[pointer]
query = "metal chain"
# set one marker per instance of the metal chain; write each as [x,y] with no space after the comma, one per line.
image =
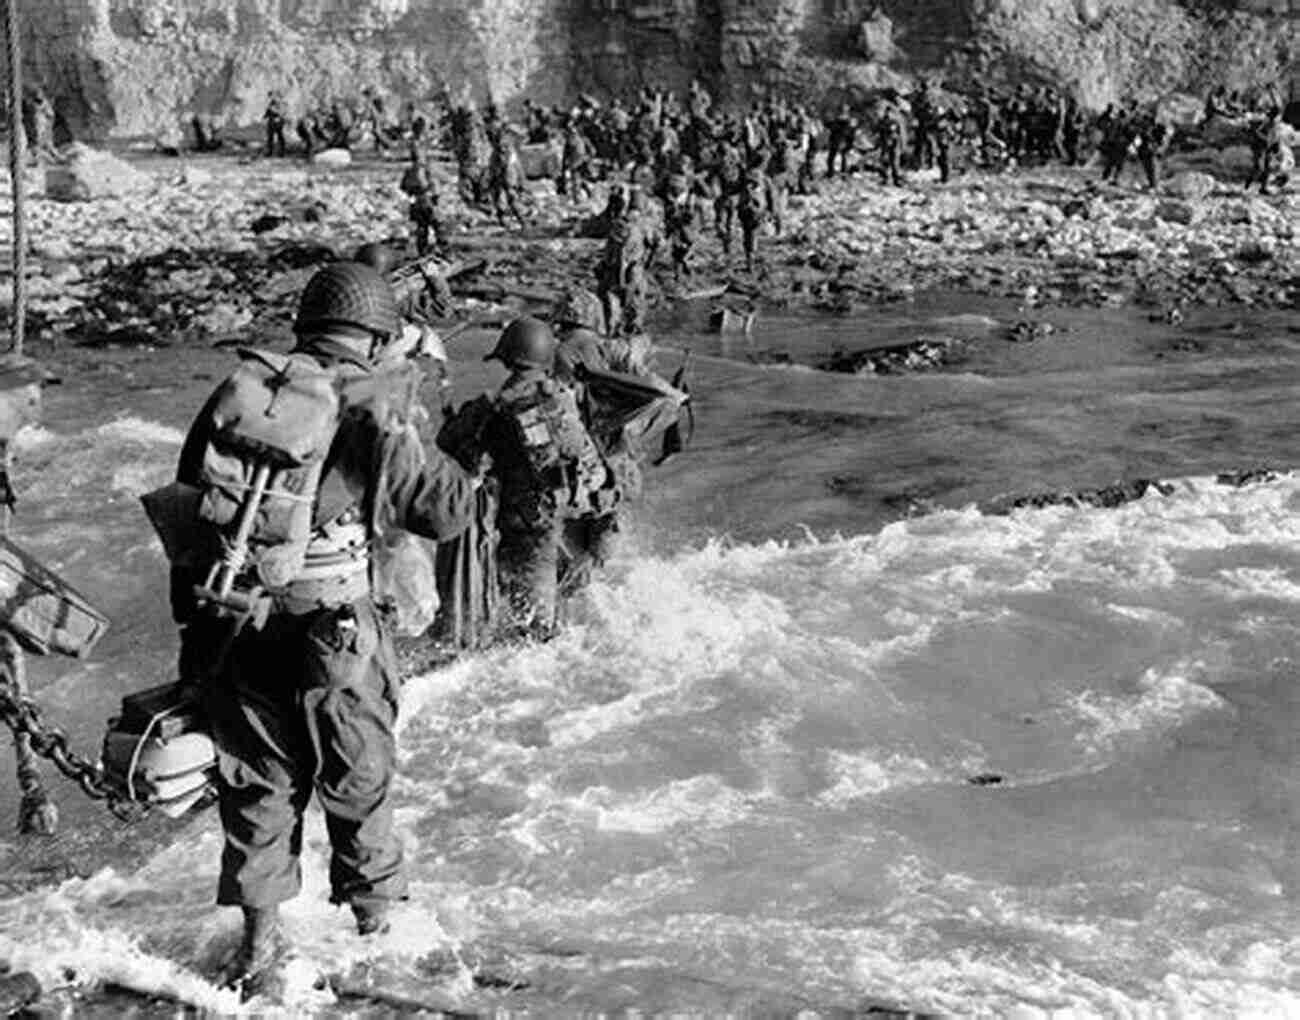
[24,717]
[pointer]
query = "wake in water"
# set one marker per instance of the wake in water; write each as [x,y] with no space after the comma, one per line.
[744,777]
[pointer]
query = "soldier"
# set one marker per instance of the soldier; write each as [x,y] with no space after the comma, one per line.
[728,172]
[586,540]
[985,113]
[575,164]
[889,141]
[926,113]
[472,154]
[618,122]
[308,129]
[699,101]
[338,126]
[207,136]
[753,208]
[681,224]
[579,323]
[942,127]
[809,144]
[1017,119]
[1153,138]
[275,121]
[621,281]
[376,117]
[1117,138]
[505,177]
[417,183]
[1266,144]
[421,292]
[544,463]
[38,121]
[1074,131]
[292,659]
[840,131]
[780,166]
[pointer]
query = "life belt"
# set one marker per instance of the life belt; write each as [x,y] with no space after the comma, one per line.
[158,751]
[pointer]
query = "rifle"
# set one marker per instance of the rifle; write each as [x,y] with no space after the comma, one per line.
[414,278]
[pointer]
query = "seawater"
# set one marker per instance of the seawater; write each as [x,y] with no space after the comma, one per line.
[792,751]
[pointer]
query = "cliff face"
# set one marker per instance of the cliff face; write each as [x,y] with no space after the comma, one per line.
[137,66]
[1102,49]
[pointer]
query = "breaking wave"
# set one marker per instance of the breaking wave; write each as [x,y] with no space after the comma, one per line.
[968,763]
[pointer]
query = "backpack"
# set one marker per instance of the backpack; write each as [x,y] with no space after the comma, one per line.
[272,423]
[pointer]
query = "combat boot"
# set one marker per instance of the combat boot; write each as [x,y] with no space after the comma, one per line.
[254,964]
[371,916]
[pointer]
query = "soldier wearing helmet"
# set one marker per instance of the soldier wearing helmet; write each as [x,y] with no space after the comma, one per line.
[579,321]
[302,695]
[621,274]
[423,294]
[544,462]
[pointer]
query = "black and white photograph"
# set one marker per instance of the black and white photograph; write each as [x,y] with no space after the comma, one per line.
[752,509]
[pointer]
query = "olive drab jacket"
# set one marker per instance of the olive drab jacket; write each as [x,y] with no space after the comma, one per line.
[374,474]
[543,458]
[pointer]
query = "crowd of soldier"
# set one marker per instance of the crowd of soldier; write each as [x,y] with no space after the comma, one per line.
[736,169]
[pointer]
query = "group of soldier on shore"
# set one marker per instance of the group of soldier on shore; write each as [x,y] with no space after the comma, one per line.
[676,164]
[734,169]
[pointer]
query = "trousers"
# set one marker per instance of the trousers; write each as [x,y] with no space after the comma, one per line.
[307,704]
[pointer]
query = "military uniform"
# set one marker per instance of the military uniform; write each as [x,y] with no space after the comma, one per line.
[275,121]
[753,211]
[575,164]
[889,144]
[1117,137]
[622,277]
[681,225]
[926,112]
[840,138]
[941,132]
[472,153]
[779,169]
[338,126]
[1266,145]
[308,131]
[307,701]
[38,122]
[1152,142]
[505,179]
[544,463]
[728,175]
[423,212]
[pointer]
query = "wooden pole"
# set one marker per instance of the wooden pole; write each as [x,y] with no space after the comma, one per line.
[17,164]
[37,814]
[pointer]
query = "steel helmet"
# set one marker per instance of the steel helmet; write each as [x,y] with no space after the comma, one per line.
[579,307]
[348,294]
[525,343]
[378,257]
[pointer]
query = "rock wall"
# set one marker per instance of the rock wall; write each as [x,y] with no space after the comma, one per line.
[128,67]
[1102,49]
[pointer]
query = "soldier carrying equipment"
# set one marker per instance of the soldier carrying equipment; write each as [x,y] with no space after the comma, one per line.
[301,467]
[544,463]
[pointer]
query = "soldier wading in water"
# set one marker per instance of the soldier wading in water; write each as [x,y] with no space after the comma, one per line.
[295,473]
[545,463]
